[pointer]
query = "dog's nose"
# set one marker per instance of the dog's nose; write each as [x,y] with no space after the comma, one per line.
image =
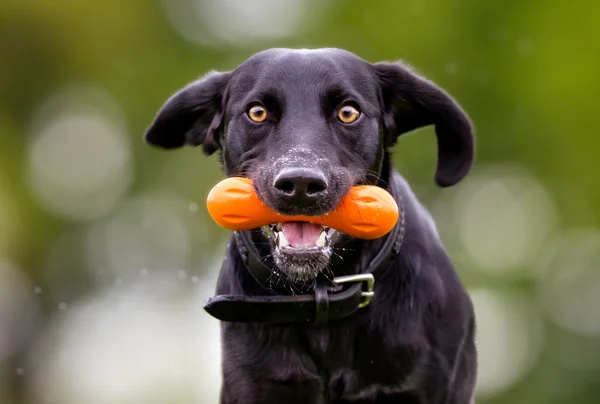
[300,184]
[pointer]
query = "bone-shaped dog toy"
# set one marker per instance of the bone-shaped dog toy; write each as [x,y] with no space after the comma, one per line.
[366,211]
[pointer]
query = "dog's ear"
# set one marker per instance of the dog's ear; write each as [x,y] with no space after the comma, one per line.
[192,116]
[411,102]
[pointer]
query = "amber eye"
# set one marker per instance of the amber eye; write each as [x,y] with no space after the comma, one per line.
[348,114]
[257,113]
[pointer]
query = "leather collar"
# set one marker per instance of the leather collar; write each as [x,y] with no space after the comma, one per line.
[324,302]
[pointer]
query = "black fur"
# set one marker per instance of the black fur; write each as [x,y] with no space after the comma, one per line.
[415,342]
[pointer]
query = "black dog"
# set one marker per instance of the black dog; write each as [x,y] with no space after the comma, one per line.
[306,125]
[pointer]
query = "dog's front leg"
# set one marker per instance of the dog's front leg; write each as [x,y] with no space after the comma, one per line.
[265,364]
[246,389]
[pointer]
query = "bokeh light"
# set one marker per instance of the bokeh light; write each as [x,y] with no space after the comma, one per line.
[570,282]
[239,23]
[79,159]
[503,218]
[150,231]
[109,347]
[509,338]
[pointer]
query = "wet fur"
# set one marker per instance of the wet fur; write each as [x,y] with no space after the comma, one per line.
[415,342]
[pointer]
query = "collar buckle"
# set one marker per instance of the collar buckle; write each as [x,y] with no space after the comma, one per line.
[369,281]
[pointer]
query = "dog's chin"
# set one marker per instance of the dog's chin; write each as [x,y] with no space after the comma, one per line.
[301,250]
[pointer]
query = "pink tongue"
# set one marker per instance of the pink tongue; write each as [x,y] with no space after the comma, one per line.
[301,234]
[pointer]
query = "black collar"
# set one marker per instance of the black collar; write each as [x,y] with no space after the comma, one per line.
[328,301]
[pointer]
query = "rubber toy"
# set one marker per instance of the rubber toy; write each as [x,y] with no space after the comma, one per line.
[366,211]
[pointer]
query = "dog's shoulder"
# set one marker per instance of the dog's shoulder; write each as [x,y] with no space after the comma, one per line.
[423,263]
[416,215]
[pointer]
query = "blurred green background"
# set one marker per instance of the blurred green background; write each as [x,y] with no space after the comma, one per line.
[106,251]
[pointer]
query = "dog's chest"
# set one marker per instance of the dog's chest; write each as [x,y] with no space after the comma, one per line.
[347,345]
[357,362]
[331,346]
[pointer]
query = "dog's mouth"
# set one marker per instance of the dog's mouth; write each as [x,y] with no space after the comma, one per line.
[301,237]
[301,250]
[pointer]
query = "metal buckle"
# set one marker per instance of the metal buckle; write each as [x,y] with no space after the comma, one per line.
[368,278]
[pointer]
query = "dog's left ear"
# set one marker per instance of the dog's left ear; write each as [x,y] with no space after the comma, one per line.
[192,115]
[411,102]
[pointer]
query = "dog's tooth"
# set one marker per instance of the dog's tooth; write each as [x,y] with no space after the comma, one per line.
[283,242]
[279,226]
[321,240]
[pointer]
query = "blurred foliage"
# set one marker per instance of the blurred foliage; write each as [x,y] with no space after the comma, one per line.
[527,73]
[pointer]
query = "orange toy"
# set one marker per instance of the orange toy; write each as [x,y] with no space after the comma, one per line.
[366,212]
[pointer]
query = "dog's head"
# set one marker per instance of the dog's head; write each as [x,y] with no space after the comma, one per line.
[306,125]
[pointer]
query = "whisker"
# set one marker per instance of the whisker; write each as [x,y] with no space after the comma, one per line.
[342,249]
[376,176]
[328,273]
[338,255]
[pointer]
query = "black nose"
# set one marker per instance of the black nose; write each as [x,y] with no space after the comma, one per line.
[300,184]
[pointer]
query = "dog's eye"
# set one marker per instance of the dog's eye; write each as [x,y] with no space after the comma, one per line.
[257,113]
[348,114]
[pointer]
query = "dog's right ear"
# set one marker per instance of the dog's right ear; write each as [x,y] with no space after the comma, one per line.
[411,102]
[192,116]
